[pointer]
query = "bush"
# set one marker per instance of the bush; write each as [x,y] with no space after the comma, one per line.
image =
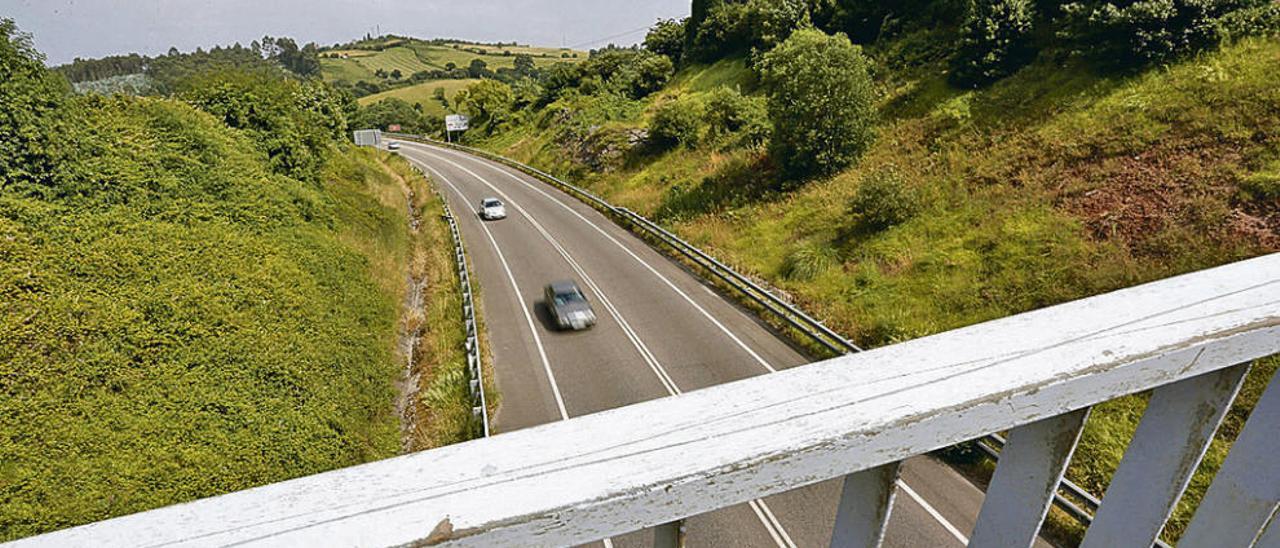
[294,122]
[809,261]
[33,99]
[820,103]
[881,201]
[1135,34]
[392,111]
[666,37]
[995,42]
[676,123]
[1262,186]
[729,113]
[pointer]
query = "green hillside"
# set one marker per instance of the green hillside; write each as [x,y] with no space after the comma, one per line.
[373,61]
[1046,181]
[423,94]
[205,293]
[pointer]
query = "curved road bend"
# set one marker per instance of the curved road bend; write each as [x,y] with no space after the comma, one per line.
[661,331]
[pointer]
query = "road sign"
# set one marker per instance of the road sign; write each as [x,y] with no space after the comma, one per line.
[456,122]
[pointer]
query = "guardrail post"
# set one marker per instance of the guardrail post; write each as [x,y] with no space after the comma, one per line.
[1246,491]
[1026,479]
[669,535]
[866,501]
[1172,437]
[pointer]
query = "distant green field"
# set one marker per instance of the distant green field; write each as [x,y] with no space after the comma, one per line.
[422,93]
[415,56]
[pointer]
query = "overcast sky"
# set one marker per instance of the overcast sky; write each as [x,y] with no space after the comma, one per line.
[65,29]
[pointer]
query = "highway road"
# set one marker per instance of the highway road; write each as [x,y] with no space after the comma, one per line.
[661,332]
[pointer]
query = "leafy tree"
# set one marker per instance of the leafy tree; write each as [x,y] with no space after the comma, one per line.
[676,123]
[820,103]
[725,31]
[729,113]
[524,64]
[396,74]
[1130,34]
[490,103]
[478,68]
[31,117]
[666,37]
[995,42]
[438,94]
[295,123]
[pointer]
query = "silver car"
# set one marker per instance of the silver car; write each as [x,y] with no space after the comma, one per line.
[492,209]
[569,307]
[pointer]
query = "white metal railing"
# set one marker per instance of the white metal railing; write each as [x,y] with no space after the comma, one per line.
[1190,338]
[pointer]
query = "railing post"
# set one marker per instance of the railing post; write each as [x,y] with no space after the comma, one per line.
[1030,469]
[669,535]
[1246,490]
[1171,439]
[866,500]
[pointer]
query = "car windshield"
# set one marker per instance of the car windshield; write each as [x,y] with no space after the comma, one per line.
[573,296]
[492,203]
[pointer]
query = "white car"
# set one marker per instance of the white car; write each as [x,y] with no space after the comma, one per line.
[393,145]
[492,209]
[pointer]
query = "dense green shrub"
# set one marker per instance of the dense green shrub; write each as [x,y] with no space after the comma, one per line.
[294,122]
[882,200]
[489,102]
[676,123]
[1134,34]
[181,318]
[737,27]
[730,114]
[32,112]
[389,111]
[995,42]
[808,261]
[666,37]
[821,103]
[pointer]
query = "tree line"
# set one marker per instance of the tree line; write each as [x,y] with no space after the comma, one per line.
[175,65]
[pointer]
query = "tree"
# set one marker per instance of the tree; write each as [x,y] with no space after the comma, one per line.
[391,111]
[524,64]
[995,42]
[489,102]
[729,112]
[666,37]
[478,68]
[820,103]
[1129,34]
[396,74]
[30,121]
[438,94]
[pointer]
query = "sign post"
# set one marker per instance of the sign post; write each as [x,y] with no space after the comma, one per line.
[452,123]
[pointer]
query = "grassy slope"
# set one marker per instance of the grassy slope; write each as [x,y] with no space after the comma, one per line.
[422,93]
[223,328]
[1053,185]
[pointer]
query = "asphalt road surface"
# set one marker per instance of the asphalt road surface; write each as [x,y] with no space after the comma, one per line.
[661,331]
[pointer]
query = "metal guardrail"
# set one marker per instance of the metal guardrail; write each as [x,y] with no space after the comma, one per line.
[783,310]
[475,375]
[805,324]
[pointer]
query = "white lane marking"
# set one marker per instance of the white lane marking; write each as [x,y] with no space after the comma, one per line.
[537,341]
[933,512]
[630,332]
[643,263]
[767,518]
[564,415]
